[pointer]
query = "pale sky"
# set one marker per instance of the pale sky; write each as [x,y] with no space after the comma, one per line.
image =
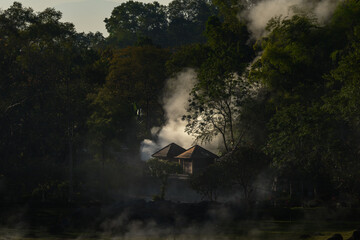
[86,15]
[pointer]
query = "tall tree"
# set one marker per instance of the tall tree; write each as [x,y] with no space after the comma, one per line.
[343,95]
[44,88]
[244,167]
[131,20]
[128,103]
[304,139]
[211,181]
[187,21]
[218,98]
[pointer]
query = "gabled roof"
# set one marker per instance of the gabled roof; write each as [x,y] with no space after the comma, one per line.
[196,152]
[169,151]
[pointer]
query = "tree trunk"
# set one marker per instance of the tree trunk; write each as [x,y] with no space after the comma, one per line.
[70,138]
[147,116]
[302,191]
[70,170]
[103,156]
[163,188]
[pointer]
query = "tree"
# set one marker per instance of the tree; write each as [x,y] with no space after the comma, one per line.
[181,22]
[128,104]
[218,98]
[188,56]
[162,169]
[304,139]
[137,73]
[305,144]
[187,21]
[243,167]
[344,81]
[211,181]
[295,57]
[342,103]
[44,63]
[343,23]
[131,20]
[217,113]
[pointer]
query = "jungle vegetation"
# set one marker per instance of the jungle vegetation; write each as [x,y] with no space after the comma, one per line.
[74,107]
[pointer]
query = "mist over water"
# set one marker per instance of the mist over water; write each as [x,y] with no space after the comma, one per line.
[166,220]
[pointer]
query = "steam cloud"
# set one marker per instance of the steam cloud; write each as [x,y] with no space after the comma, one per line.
[260,14]
[175,102]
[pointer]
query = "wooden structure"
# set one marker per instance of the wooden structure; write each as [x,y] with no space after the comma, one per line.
[192,160]
[195,159]
[169,152]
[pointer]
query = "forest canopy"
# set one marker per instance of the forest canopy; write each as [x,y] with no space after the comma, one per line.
[75,107]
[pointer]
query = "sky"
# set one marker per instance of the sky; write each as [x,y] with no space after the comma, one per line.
[86,15]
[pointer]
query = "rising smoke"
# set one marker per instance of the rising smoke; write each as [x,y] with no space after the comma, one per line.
[177,89]
[175,102]
[259,15]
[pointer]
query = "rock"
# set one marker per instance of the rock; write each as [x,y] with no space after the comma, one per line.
[355,236]
[336,237]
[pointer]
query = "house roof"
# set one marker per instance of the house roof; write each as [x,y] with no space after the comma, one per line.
[169,151]
[196,152]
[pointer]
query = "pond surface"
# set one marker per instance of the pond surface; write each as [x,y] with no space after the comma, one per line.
[244,230]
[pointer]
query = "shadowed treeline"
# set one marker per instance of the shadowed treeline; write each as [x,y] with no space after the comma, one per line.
[279,99]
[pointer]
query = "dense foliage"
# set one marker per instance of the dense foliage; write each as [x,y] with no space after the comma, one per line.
[74,107]
[161,170]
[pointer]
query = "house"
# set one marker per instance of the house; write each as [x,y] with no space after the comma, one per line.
[192,160]
[169,152]
[196,159]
